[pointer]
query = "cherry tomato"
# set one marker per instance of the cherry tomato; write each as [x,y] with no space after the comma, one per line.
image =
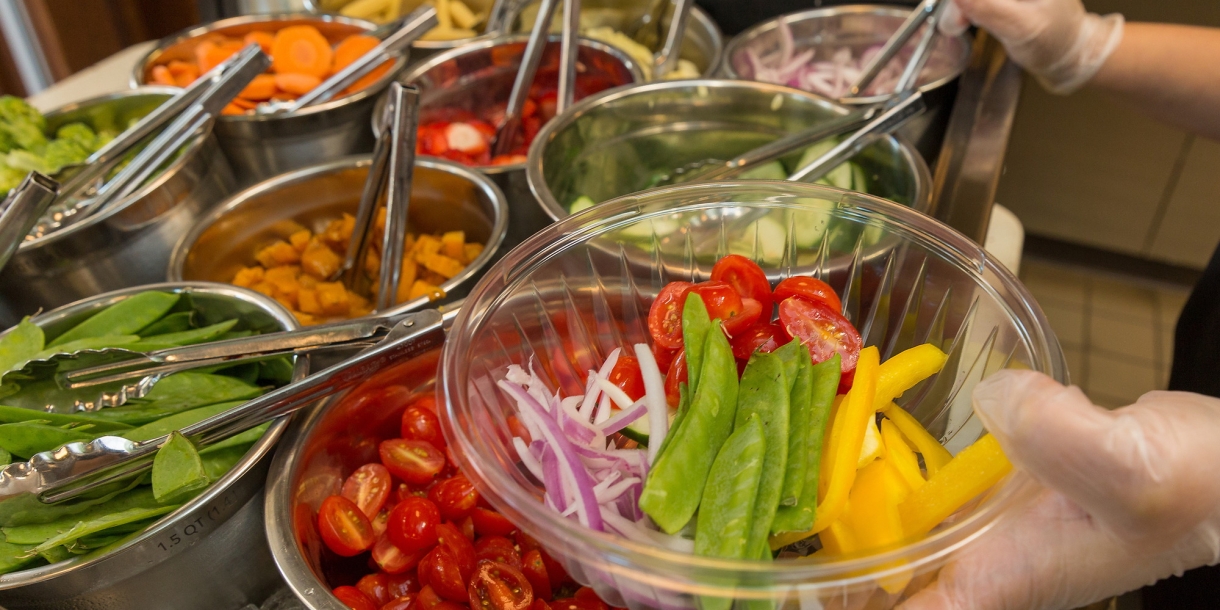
[344,527]
[369,488]
[440,570]
[416,462]
[462,550]
[535,572]
[400,603]
[572,603]
[426,401]
[491,523]
[381,521]
[674,378]
[353,598]
[455,497]
[404,584]
[377,587]
[627,376]
[540,605]
[554,569]
[413,524]
[721,300]
[822,330]
[751,312]
[665,315]
[762,336]
[497,586]
[393,560]
[421,424]
[518,429]
[467,527]
[525,542]
[808,288]
[747,278]
[589,596]
[663,356]
[428,598]
[497,548]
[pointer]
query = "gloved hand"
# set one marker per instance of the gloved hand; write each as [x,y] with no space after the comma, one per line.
[1056,40]
[1132,497]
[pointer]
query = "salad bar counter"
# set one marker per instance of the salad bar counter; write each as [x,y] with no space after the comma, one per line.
[471,306]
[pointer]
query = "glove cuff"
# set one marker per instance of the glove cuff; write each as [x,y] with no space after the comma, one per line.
[1096,39]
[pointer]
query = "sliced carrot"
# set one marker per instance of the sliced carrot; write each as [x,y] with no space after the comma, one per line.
[184,73]
[242,102]
[161,75]
[368,79]
[301,49]
[284,96]
[259,89]
[351,49]
[233,45]
[232,108]
[216,54]
[262,39]
[202,51]
[298,84]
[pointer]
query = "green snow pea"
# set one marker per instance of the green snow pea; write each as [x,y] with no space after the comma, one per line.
[129,316]
[6,458]
[27,509]
[278,370]
[180,392]
[764,395]
[171,323]
[243,438]
[675,483]
[798,371]
[727,508]
[178,421]
[218,462]
[103,523]
[12,415]
[24,439]
[16,556]
[54,554]
[800,517]
[139,499]
[177,470]
[20,344]
[186,337]
[695,326]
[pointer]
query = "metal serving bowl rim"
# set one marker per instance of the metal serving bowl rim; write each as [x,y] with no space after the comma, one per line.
[137,71]
[542,192]
[418,70]
[499,228]
[191,149]
[311,7]
[740,40]
[257,452]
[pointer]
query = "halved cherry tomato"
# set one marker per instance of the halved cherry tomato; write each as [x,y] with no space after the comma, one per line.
[413,524]
[353,598]
[589,596]
[416,462]
[426,401]
[344,527]
[459,547]
[627,376]
[428,598]
[554,569]
[539,605]
[535,572]
[572,603]
[525,542]
[721,300]
[497,548]
[467,527]
[393,560]
[747,278]
[674,378]
[421,424]
[376,586]
[491,523]
[663,356]
[404,584]
[518,429]
[808,288]
[400,603]
[441,571]
[497,586]
[823,331]
[751,312]
[665,315]
[381,521]
[369,488]
[762,336]
[455,497]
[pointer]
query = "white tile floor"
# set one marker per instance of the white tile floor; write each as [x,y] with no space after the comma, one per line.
[1116,332]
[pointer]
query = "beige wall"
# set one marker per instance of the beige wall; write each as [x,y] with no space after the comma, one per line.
[1090,170]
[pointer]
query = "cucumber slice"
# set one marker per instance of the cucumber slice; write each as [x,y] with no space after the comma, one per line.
[638,429]
[767,171]
[859,180]
[840,176]
[643,231]
[582,203]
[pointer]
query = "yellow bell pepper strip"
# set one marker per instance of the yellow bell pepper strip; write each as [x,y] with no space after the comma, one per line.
[872,448]
[900,456]
[934,455]
[874,517]
[901,372]
[967,475]
[842,452]
[838,539]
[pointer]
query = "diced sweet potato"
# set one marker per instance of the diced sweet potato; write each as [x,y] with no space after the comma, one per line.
[307,301]
[249,276]
[308,282]
[406,281]
[443,265]
[305,319]
[264,288]
[300,239]
[424,289]
[332,296]
[471,252]
[319,260]
[453,242]
[425,247]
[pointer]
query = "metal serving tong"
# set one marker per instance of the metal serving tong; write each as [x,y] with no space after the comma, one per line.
[895,115]
[22,208]
[76,468]
[666,59]
[207,95]
[410,29]
[928,12]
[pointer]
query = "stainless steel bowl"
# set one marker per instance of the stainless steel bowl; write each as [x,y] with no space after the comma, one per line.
[612,144]
[860,26]
[423,49]
[445,197]
[481,74]
[211,552]
[129,243]
[266,145]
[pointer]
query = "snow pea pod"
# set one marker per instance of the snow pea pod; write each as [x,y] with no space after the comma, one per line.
[675,482]
[825,382]
[798,372]
[126,317]
[764,396]
[103,523]
[218,462]
[41,532]
[24,439]
[16,556]
[177,421]
[12,415]
[171,323]
[244,438]
[27,509]
[695,326]
[122,341]
[177,470]
[20,344]
[727,508]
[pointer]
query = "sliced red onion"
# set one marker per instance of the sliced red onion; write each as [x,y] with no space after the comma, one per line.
[530,462]
[654,397]
[589,402]
[612,492]
[603,410]
[620,398]
[625,417]
[553,480]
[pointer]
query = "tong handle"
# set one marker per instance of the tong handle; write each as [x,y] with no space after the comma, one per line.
[667,58]
[905,109]
[525,77]
[923,50]
[21,209]
[787,144]
[895,43]
[569,48]
[403,127]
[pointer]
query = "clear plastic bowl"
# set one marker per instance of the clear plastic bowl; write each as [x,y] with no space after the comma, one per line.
[582,287]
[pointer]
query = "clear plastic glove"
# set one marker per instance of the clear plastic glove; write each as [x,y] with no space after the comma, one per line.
[1133,496]
[1057,40]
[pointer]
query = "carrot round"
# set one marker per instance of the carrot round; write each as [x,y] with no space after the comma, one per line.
[160,75]
[259,89]
[184,73]
[242,102]
[301,49]
[351,49]
[232,108]
[262,39]
[213,54]
[295,83]
[368,79]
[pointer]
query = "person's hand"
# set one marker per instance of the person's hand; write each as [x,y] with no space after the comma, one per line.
[1133,496]
[1056,40]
